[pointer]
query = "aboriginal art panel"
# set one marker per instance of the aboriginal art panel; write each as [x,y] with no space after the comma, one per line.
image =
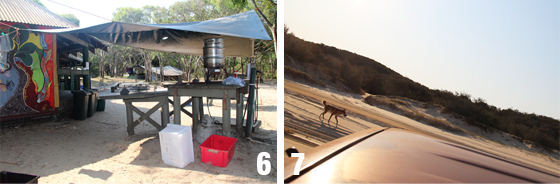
[26,71]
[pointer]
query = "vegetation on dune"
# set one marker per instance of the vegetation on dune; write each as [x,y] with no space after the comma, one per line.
[359,73]
[302,76]
[407,110]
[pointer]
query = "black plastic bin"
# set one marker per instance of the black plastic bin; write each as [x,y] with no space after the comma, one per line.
[101,105]
[92,102]
[95,100]
[81,103]
[17,178]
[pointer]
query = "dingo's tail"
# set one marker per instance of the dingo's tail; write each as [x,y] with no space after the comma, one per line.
[325,102]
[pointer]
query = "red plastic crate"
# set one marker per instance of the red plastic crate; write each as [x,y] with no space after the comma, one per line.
[217,150]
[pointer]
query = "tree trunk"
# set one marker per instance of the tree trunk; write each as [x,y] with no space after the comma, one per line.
[196,67]
[242,67]
[271,25]
[147,66]
[272,68]
[232,70]
[274,36]
[161,65]
[102,64]
[189,69]
[111,70]
[113,62]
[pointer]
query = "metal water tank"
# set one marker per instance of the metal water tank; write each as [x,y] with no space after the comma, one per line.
[213,52]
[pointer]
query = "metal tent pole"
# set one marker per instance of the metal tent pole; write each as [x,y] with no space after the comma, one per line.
[85,59]
[250,102]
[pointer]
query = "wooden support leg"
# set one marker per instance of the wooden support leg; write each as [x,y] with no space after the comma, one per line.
[129,118]
[182,107]
[239,115]
[195,109]
[146,116]
[86,81]
[76,82]
[226,114]
[67,81]
[165,112]
[176,108]
[200,109]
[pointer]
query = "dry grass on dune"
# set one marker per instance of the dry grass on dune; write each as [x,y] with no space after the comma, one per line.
[409,111]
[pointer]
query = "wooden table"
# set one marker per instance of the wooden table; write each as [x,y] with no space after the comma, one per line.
[161,97]
[210,90]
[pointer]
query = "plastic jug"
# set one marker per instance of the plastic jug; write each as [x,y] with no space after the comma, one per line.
[205,129]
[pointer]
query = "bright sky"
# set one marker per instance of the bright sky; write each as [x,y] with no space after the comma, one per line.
[102,8]
[504,51]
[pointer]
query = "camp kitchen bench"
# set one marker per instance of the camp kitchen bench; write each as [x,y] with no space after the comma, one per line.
[196,91]
[160,97]
[137,86]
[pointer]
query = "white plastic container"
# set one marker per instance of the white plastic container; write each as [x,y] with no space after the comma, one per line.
[176,145]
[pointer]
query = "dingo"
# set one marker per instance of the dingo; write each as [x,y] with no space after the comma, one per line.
[334,111]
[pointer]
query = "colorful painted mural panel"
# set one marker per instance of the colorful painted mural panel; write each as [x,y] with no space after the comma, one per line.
[26,77]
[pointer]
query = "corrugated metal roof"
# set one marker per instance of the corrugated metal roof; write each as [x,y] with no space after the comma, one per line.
[29,12]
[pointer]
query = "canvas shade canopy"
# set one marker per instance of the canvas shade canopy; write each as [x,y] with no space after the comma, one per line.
[167,71]
[238,31]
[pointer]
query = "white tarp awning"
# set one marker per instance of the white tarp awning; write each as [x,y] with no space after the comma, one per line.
[167,71]
[239,31]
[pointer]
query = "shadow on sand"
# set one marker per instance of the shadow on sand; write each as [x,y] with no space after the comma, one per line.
[54,147]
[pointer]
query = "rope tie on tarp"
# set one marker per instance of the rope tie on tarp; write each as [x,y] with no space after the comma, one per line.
[16,29]
[16,37]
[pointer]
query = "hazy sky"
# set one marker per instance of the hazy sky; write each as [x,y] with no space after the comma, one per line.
[504,51]
[103,8]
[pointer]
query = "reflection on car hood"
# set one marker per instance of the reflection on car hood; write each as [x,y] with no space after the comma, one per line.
[398,156]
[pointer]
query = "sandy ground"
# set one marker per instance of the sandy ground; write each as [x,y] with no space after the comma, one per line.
[99,150]
[304,130]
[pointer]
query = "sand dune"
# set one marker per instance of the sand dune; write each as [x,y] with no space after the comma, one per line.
[303,105]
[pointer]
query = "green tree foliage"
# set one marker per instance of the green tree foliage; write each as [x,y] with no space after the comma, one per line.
[130,15]
[266,9]
[39,2]
[94,69]
[70,17]
[156,14]
[358,73]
